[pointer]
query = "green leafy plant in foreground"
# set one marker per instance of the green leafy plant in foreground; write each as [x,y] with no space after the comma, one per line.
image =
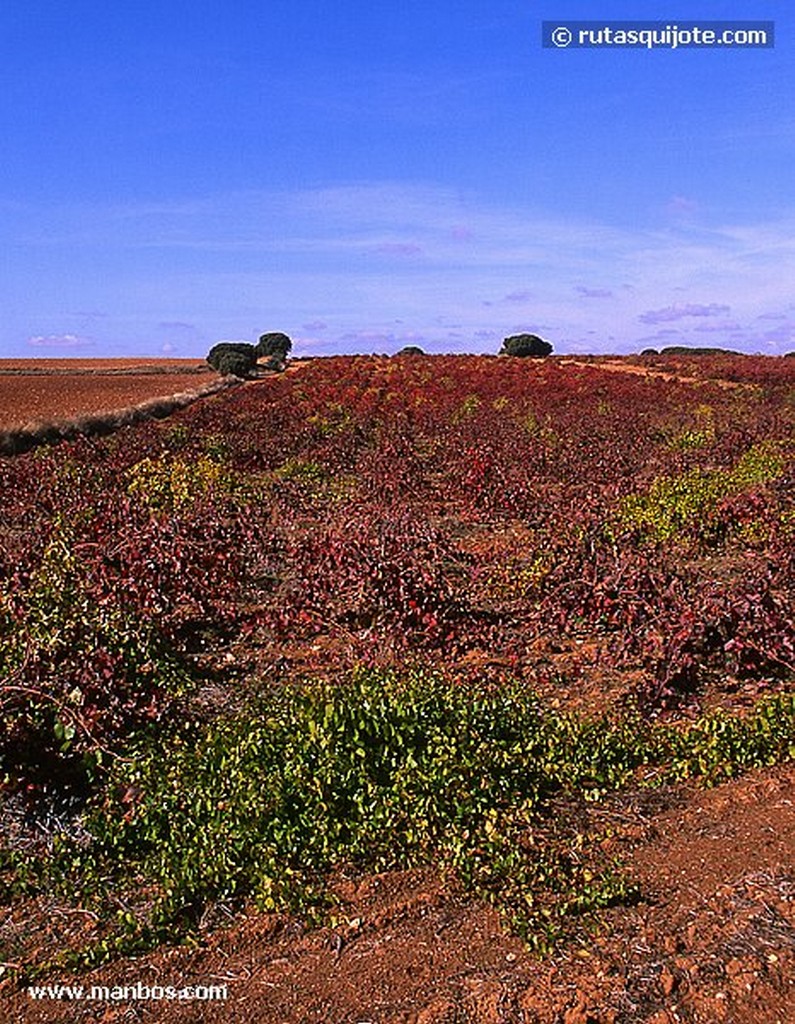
[384,772]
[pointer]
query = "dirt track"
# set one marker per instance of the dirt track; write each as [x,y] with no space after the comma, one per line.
[643,371]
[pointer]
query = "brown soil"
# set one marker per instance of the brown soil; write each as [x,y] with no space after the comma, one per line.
[74,366]
[46,390]
[42,391]
[712,938]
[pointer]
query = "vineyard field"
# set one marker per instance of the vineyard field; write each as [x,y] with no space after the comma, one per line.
[468,625]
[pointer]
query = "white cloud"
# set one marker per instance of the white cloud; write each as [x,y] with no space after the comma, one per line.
[59,341]
[690,309]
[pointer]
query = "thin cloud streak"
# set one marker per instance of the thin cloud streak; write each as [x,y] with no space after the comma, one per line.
[67,341]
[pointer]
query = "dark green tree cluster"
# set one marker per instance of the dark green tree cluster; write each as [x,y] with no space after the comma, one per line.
[239,359]
[696,350]
[275,344]
[232,360]
[525,345]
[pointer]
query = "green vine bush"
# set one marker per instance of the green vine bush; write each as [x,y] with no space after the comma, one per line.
[673,503]
[378,772]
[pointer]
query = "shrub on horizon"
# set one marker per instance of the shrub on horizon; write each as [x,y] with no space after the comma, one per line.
[686,350]
[239,359]
[274,344]
[525,345]
[231,363]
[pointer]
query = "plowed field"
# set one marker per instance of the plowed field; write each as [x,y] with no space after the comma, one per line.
[44,390]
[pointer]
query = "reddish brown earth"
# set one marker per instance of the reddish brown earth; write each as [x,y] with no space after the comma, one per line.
[44,390]
[47,390]
[712,938]
[137,363]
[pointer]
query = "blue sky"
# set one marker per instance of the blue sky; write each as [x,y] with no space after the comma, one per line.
[365,175]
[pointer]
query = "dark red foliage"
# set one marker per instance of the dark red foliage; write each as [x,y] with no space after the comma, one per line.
[433,504]
[380,572]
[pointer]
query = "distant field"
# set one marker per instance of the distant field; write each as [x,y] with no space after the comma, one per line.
[35,390]
[98,365]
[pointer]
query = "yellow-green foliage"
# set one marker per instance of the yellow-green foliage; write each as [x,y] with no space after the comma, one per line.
[516,578]
[541,432]
[675,502]
[760,464]
[172,484]
[335,420]
[529,421]
[178,436]
[342,487]
[788,523]
[700,433]
[466,409]
[383,772]
[302,471]
[53,598]
[316,480]
[216,447]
